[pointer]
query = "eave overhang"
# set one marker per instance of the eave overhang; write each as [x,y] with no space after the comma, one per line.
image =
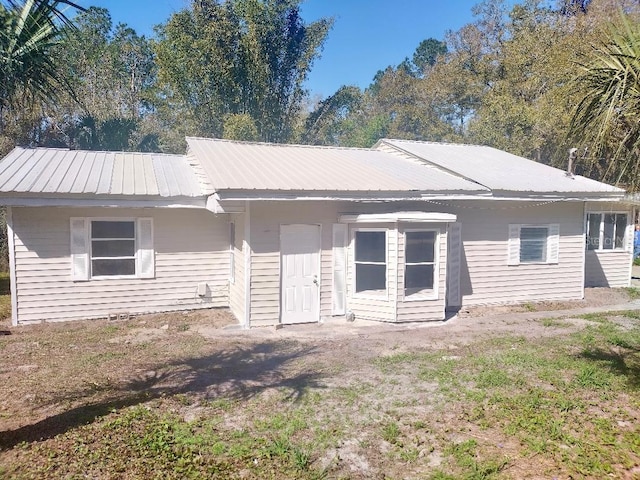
[85,200]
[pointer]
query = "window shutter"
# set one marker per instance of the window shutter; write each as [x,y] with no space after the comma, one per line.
[553,243]
[338,290]
[454,260]
[79,250]
[514,244]
[145,253]
[628,236]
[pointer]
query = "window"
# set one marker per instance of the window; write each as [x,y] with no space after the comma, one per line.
[104,248]
[370,260]
[533,244]
[419,267]
[113,248]
[606,231]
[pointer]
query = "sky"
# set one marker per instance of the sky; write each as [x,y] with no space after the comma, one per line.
[367,36]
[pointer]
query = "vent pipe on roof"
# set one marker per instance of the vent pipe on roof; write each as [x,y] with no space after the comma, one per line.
[573,153]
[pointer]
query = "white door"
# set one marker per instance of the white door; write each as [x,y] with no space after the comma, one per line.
[300,273]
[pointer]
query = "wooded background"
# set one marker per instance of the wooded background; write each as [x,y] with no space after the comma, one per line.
[534,79]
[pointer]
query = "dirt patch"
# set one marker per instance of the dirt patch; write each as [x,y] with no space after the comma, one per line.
[373,386]
[593,297]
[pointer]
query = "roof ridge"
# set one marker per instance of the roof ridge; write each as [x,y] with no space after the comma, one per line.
[429,142]
[283,145]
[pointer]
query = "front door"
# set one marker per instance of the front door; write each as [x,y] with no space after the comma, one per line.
[300,273]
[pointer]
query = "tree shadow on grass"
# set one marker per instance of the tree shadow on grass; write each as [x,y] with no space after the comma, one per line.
[238,373]
[619,361]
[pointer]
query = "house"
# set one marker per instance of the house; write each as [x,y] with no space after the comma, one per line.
[404,231]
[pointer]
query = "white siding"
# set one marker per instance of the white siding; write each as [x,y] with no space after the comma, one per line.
[236,289]
[486,276]
[191,246]
[266,218]
[608,268]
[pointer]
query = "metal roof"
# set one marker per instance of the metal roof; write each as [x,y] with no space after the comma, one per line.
[212,165]
[62,171]
[497,169]
[277,167]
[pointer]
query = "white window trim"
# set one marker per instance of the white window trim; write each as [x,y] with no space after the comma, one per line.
[627,243]
[370,294]
[232,252]
[431,294]
[553,243]
[339,264]
[88,254]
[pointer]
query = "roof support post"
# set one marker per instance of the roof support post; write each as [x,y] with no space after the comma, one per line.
[246,247]
[12,266]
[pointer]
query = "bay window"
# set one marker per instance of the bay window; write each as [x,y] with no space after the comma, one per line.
[419,270]
[370,258]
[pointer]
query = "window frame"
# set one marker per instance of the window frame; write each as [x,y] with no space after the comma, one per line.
[90,241]
[371,294]
[552,246]
[545,250]
[424,294]
[80,248]
[625,241]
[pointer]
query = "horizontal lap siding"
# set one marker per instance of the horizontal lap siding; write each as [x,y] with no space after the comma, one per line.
[414,310]
[607,269]
[485,275]
[190,247]
[266,219]
[373,306]
[236,289]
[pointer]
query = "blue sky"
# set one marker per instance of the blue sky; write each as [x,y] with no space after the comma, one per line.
[368,35]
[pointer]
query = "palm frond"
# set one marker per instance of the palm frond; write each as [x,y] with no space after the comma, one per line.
[27,70]
[607,117]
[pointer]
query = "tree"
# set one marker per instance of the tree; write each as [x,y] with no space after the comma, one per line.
[27,36]
[427,54]
[28,72]
[573,7]
[398,103]
[606,119]
[237,57]
[113,74]
[527,108]
[325,125]
[240,126]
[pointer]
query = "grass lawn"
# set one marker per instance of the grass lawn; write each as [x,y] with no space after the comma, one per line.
[162,397]
[5,295]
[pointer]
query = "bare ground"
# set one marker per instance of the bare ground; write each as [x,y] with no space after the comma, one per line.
[56,377]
